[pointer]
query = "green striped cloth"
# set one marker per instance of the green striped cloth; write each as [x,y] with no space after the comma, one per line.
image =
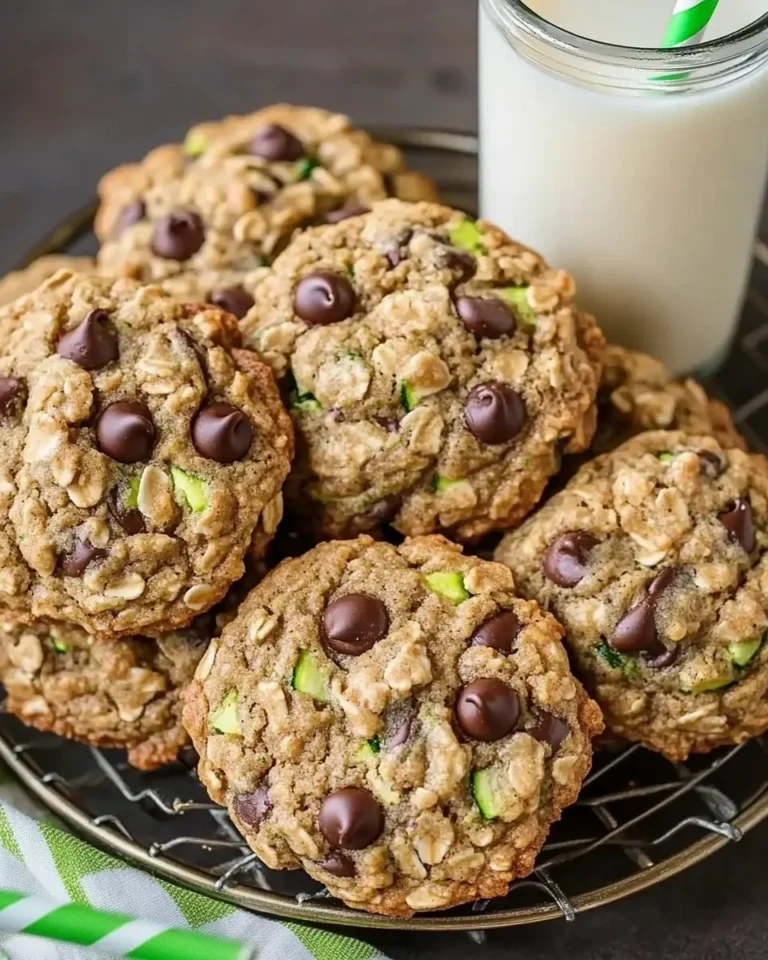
[38,857]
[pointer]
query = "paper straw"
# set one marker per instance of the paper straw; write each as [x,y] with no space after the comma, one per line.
[111,933]
[688,22]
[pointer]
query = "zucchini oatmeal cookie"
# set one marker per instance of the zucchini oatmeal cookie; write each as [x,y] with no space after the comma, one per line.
[654,559]
[203,219]
[395,721]
[638,393]
[438,371]
[141,452]
[19,282]
[121,694]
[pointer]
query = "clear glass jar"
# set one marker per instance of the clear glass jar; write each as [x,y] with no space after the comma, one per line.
[641,171]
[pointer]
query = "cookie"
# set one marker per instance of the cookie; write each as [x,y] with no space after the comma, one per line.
[436,369]
[141,452]
[121,694]
[19,282]
[638,393]
[395,721]
[203,219]
[654,559]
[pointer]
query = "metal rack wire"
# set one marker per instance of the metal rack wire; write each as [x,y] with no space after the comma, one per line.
[639,820]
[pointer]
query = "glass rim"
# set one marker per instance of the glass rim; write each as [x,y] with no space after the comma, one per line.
[518,14]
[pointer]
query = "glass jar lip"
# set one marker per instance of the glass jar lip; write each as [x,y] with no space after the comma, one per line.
[516,13]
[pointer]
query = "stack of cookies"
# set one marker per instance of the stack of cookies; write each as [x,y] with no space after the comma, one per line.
[282,319]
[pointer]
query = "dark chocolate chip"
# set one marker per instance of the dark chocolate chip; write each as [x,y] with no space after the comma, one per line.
[486,317]
[387,423]
[338,865]
[350,818]
[394,252]
[130,520]
[73,564]
[463,263]
[131,213]
[92,344]
[636,631]
[252,808]
[12,394]
[353,623]
[125,431]
[384,511]
[567,558]
[487,709]
[399,720]
[222,433]
[345,213]
[737,520]
[500,632]
[494,413]
[710,464]
[660,583]
[323,298]
[234,300]
[274,142]
[178,236]
[549,729]
[663,659]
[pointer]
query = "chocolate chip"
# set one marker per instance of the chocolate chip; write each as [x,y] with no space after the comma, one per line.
[131,213]
[387,423]
[549,729]
[737,520]
[12,394]
[345,213]
[350,818]
[494,413]
[353,623]
[92,344]
[710,464]
[222,433]
[663,659]
[486,317]
[399,720]
[636,631]
[567,558]
[274,142]
[125,431]
[338,865]
[73,564]
[660,583]
[500,632]
[463,263]
[323,298]
[394,252]
[130,520]
[178,236]
[384,511]
[487,709]
[234,300]
[252,808]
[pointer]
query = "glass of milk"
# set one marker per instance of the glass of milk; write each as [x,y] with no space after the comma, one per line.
[639,170]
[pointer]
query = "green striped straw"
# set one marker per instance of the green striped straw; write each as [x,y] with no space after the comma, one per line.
[688,22]
[111,933]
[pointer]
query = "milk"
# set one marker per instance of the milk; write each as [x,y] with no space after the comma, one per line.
[651,200]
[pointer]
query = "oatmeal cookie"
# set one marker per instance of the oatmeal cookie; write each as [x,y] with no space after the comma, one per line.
[437,371]
[395,721]
[203,219]
[141,451]
[19,282]
[120,694]
[654,558]
[638,393]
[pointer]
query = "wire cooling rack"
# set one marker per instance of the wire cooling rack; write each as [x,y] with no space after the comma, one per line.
[639,819]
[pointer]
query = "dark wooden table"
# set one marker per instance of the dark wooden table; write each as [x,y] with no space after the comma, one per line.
[86,84]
